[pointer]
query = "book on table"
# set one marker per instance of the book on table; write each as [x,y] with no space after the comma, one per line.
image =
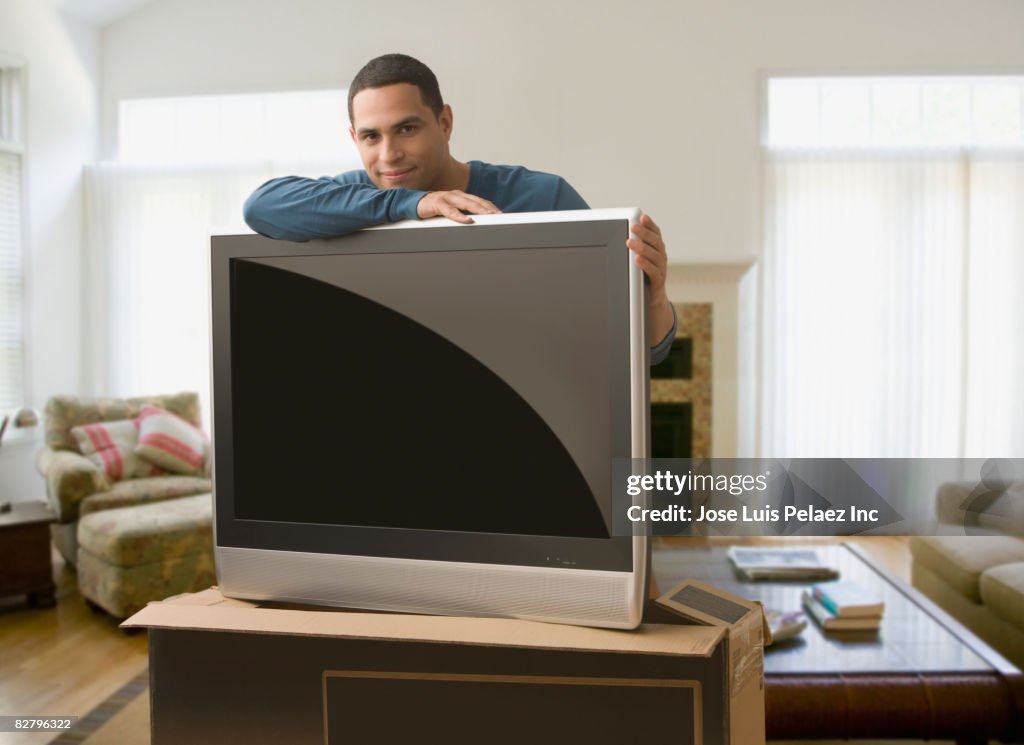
[848,600]
[831,622]
[790,563]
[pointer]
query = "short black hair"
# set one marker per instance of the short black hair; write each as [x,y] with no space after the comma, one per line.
[389,69]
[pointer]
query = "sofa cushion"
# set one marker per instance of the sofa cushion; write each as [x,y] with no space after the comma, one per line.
[130,536]
[961,560]
[111,447]
[141,491]
[1002,590]
[170,442]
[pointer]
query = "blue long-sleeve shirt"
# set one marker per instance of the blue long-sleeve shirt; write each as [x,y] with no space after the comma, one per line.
[301,209]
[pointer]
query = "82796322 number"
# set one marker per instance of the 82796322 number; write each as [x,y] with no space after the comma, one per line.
[33,723]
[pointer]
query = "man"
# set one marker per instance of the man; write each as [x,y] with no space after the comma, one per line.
[402,129]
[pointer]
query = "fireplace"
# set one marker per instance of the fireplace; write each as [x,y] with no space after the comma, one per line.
[681,389]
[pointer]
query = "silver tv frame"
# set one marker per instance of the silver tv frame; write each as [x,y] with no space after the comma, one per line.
[556,592]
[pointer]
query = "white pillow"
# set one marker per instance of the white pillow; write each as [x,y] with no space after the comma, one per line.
[170,442]
[111,446]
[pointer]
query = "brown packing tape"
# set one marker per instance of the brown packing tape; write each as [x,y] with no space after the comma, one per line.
[746,651]
[766,628]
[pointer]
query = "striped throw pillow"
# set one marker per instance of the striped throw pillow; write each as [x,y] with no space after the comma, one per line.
[111,446]
[170,442]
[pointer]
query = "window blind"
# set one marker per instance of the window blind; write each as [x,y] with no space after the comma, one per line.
[893,252]
[12,341]
[11,271]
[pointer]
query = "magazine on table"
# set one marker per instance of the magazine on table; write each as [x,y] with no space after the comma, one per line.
[790,563]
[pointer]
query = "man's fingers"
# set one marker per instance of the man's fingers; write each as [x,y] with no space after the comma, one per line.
[646,220]
[452,212]
[655,273]
[654,263]
[652,253]
[452,204]
[472,203]
[648,235]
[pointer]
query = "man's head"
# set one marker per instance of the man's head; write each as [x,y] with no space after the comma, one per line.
[390,69]
[400,123]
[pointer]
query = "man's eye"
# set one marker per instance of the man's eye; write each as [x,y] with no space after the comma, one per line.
[369,138]
[407,129]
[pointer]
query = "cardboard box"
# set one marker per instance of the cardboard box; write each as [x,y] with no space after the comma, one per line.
[742,620]
[223,670]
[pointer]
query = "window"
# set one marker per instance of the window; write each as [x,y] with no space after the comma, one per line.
[933,112]
[13,391]
[184,169]
[294,126]
[893,317]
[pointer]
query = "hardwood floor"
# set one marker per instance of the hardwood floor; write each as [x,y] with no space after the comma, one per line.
[61,661]
[66,660]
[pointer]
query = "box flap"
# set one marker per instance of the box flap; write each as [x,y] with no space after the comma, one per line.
[211,596]
[209,611]
[744,619]
[705,604]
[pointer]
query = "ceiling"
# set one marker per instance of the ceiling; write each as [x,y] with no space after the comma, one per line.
[99,12]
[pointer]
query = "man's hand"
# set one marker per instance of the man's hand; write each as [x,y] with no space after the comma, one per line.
[452,204]
[648,245]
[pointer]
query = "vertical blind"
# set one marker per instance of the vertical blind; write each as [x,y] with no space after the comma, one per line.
[893,311]
[12,346]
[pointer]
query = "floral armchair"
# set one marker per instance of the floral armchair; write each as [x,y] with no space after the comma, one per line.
[77,486]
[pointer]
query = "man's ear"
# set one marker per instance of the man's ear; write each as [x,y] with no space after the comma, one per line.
[352,134]
[445,120]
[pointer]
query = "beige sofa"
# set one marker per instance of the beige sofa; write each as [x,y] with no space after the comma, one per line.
[977,575]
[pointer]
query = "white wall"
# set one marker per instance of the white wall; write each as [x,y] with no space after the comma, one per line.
[648,102]
[62,67]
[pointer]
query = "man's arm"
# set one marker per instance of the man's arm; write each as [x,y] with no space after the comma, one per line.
[648,245]
[299,209]
[659,352]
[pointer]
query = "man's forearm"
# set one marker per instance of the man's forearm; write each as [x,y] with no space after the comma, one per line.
[662,320]
[662,323]
[299,209]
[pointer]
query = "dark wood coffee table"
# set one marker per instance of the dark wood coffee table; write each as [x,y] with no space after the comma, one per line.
[923,675]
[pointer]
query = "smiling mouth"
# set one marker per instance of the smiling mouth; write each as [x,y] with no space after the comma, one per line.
[396,175]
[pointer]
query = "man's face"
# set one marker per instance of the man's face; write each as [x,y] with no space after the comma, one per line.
[401,142]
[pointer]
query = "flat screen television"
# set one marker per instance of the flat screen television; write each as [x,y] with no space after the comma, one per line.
[423,417]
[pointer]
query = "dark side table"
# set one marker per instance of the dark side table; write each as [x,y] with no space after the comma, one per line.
[26,567]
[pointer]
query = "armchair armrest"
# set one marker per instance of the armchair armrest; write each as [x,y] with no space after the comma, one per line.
[70,478]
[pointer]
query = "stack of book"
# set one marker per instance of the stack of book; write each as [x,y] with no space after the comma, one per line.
[844,606]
